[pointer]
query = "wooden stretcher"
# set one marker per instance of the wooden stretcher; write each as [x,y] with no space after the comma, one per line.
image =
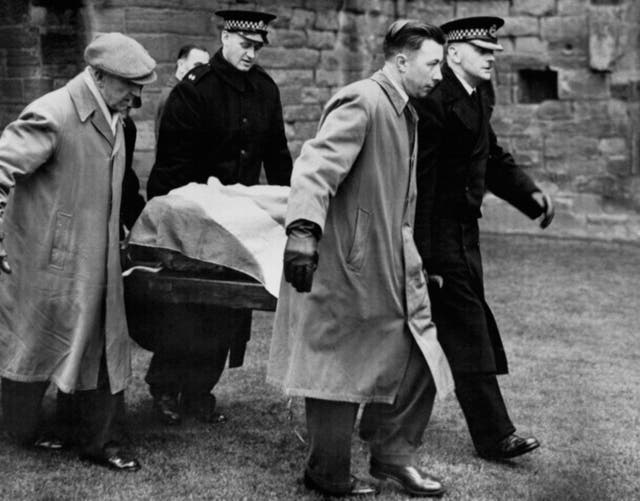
[181,281]
[224,288]
[184,280]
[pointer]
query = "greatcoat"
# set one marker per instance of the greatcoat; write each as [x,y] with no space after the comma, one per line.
[459,158]
[349,338]
[223,122]
[62,306]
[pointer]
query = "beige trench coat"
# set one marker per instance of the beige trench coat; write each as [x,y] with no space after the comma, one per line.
[348,339]
[63,302]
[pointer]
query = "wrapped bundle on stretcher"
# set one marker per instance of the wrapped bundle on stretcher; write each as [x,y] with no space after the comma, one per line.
[205,226]
[208,230]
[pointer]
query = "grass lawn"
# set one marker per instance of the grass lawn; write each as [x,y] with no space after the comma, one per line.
[569,312]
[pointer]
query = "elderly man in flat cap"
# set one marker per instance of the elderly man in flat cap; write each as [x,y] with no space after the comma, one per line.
[223,119]
[61,303]
[459,159]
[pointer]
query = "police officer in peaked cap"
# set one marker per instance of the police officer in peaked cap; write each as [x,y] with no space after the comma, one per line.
[224,119]
[459,158]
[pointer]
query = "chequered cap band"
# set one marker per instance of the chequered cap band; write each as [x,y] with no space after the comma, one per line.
[242,25]
[473,34]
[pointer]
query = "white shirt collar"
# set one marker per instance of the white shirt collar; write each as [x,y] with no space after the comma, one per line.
[464,83]
[112,119]
[401,91]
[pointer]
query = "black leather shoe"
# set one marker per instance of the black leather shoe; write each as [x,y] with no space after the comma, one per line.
[203,408]
[166,408]
[411,479]
[510,447]
[358,487]
[48,442]
[113,457]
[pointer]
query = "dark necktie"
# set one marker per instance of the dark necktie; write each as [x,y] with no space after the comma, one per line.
[475,99]
[410,126]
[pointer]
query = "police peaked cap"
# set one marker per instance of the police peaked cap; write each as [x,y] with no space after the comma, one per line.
[247,23]
[479,31]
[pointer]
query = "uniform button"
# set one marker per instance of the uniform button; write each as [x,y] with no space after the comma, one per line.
[466,188]
[244,120]
[243,153]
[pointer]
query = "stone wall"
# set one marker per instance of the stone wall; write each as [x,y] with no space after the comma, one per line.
[41,44]
[582,143]
[568,82]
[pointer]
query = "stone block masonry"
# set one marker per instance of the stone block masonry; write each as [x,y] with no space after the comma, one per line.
[567,84]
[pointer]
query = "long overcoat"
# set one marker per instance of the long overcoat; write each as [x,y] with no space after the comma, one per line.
[223,122]
[62,306]
[349,338]
[459,159]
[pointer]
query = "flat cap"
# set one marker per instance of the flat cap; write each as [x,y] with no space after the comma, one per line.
[250,24]
[479,31]
[121,56]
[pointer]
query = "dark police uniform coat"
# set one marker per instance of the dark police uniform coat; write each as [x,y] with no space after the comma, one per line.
[458,160]
[219,121]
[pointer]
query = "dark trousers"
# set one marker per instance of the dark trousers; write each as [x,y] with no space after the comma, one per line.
[21,409]
[174,373]
[191,346]
[392,431]
[484,409]
[90,419]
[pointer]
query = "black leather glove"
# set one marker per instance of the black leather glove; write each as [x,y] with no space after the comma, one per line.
[301,255]
[545,203]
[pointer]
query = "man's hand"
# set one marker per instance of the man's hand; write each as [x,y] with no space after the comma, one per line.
[545,203]
[4,262]
[300,258]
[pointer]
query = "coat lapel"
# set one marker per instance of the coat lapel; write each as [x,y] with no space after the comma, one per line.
[100,123]
[474,121]
[237,79]
[462,105]
[390,90]
[457,95]
[401,107]
[86,106]
[486,108]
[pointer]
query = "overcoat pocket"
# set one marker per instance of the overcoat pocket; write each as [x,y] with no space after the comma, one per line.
[60,243]
[358,250]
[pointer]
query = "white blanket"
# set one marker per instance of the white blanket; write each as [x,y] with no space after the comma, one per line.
[237,226]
